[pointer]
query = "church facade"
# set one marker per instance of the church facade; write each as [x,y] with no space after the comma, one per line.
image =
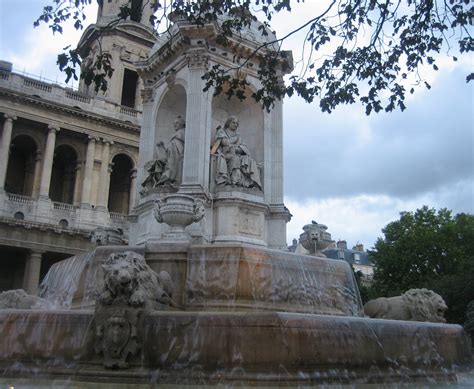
[68,158]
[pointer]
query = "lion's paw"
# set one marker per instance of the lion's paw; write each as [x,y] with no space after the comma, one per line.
[137,298]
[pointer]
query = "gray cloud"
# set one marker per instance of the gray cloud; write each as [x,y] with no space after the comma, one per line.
[427,147]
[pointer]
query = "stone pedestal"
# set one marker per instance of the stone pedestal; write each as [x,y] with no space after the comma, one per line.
[240,217]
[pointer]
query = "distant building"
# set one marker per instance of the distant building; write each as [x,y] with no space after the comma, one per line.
[294,245]
[357,257]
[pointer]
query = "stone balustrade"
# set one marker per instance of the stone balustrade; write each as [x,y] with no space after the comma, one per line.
[20,209]
[16,198]
[67,96]
[63,207]
[37,85]
[78,96]
[118,216]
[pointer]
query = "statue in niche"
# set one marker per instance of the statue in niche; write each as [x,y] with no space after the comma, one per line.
[235,166]
[167,168]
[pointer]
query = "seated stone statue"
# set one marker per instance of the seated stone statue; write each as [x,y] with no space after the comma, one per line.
[167,168]
[235,166]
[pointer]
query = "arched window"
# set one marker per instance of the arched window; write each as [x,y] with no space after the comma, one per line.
[120,184]
[21,166]
[63,175]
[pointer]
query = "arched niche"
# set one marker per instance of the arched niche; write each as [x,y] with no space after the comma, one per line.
[251,120]
[63,174]
[171,106]
[21,166]
[120,184]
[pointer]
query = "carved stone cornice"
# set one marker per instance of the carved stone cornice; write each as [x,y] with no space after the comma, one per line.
[50,105]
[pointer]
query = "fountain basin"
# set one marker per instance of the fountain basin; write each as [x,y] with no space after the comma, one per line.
[238,277]
[264,348]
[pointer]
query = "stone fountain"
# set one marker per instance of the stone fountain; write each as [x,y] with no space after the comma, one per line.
[206,293]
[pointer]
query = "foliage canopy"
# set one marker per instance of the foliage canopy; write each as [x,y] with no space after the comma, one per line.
[427,249]
[353,50]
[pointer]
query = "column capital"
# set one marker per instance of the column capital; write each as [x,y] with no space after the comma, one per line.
[107,142]
[53,127]
[133,173]
[111,167]
[92,139]
[148,95]
[197,59]
[36,253]
[9,117]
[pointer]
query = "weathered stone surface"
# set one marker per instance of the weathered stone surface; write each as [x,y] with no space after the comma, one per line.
[415,304]
[229,347]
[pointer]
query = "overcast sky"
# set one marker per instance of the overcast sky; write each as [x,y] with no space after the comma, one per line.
[351,172]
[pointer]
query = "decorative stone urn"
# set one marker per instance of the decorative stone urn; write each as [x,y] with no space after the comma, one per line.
[178,211]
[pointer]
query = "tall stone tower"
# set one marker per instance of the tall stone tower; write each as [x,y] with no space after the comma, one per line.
[127,42]
[233,150]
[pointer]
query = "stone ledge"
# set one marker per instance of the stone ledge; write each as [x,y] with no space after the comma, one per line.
[210,348]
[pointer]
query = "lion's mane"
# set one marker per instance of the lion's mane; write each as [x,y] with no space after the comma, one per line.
[414,305]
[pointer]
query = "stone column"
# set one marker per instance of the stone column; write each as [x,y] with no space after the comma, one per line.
[133,190]
[77,185]
[198,125]
[32,272]
[5,148]
[110,168]
[147,135]
[37,177]
[48,162]
[273,167]
[88,171]
[104,175]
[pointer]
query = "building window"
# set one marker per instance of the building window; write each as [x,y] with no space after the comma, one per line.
[136,10]
[356,257]
[340,254]
[129,88]
[19,216]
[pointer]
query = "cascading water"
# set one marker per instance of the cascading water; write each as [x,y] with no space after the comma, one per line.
[62,280]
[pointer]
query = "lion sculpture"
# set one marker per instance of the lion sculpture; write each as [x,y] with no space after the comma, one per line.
[128,278]
[413,305]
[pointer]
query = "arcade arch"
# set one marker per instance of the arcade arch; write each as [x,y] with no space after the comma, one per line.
[120,184]
[63,175]
[21,168]
[171,106]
